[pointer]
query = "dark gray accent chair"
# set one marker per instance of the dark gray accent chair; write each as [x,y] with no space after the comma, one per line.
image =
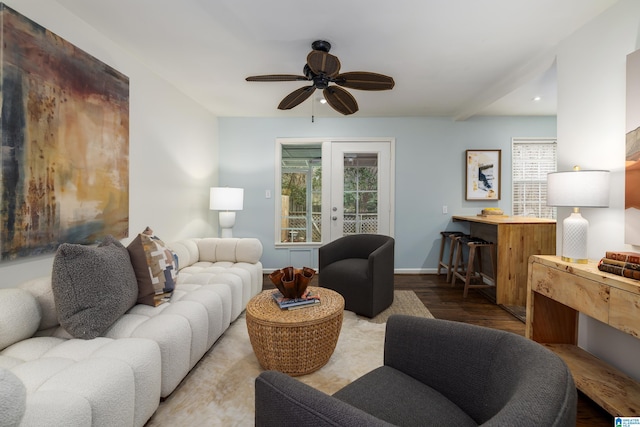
[435,373]
[360,268]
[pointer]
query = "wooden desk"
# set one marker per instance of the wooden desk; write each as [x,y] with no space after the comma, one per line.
[516,239]
[558,291]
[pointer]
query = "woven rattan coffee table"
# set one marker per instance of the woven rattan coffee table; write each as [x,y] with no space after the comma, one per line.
[295,342]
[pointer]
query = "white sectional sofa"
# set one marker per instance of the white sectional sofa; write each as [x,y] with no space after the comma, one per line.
[48,377]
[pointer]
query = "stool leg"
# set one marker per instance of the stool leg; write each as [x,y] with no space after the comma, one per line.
[442,242]
[456,265]
[470,269]
[452,244]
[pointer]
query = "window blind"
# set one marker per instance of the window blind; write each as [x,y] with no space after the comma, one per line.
[532,160]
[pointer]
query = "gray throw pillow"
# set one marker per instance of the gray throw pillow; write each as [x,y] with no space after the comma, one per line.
[92,286]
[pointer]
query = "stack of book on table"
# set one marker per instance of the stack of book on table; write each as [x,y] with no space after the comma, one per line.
[308,299]
[626,264]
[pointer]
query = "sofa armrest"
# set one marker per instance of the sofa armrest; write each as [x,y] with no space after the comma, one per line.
[284,401]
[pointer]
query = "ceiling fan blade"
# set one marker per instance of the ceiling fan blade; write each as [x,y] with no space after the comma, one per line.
[363,80]
[296,97]
[276,78]
[323,63]
[340,100]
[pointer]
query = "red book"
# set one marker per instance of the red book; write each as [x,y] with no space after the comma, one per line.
[632,257]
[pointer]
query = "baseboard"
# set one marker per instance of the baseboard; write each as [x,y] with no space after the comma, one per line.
[415,271]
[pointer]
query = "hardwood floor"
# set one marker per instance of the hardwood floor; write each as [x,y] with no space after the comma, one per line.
[445,302]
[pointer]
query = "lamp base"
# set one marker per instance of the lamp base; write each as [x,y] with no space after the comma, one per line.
[574,239]
[226,221]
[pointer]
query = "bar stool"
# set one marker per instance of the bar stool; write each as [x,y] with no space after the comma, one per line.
[471,274]
[457,264]
[451,236]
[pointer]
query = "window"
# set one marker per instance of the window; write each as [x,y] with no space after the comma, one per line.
[532,160]
[300,193]
[360,193]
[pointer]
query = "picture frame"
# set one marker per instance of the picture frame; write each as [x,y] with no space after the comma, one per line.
[483,174]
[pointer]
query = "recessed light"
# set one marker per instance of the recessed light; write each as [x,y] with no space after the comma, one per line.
[536,98]
[323,101]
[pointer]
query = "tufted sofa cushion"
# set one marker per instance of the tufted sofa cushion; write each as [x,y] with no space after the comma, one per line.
[86,382]
[234,262]
[14,396]
[41,290]
[19,316]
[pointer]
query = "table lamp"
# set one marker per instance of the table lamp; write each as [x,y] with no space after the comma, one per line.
[577,189]
[227,201]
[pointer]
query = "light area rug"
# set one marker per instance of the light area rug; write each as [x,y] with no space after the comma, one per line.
[219,390]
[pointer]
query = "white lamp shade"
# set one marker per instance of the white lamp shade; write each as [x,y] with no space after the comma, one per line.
[578,189]
[226,199]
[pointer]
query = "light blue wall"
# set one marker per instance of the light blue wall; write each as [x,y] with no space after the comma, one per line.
[429,172]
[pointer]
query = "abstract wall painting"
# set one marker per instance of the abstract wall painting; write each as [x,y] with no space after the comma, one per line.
[483,174]
[632,153]
[65,143]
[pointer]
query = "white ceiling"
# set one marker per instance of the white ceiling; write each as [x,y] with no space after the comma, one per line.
[455,58]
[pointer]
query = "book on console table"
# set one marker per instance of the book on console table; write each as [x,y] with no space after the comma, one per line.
[620,268]
[632,257]
[306,300]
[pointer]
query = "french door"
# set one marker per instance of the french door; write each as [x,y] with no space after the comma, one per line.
[361,188]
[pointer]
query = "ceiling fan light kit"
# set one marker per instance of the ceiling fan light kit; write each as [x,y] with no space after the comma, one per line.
[322,69]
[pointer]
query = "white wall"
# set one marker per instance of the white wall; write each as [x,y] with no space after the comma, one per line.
[591,133]
[172,144]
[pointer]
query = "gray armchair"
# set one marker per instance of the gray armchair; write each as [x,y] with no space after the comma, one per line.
[360,268]
[435,373]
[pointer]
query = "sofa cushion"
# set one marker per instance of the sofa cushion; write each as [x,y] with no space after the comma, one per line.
[155,266]
[186,251]
[213,249]
[19,316]
[92,286]
[40,288]
[14,397]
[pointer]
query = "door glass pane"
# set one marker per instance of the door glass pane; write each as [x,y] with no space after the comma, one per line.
[360,193]
[301,198]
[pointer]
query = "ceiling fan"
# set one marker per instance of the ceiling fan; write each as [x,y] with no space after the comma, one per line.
[321,69]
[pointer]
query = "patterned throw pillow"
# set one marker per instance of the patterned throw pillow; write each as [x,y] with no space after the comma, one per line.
[155,266]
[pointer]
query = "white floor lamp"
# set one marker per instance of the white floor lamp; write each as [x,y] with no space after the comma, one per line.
[577,189]
[227,201]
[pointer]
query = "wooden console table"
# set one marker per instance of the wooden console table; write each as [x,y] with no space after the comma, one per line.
[516,238]
[558,291]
